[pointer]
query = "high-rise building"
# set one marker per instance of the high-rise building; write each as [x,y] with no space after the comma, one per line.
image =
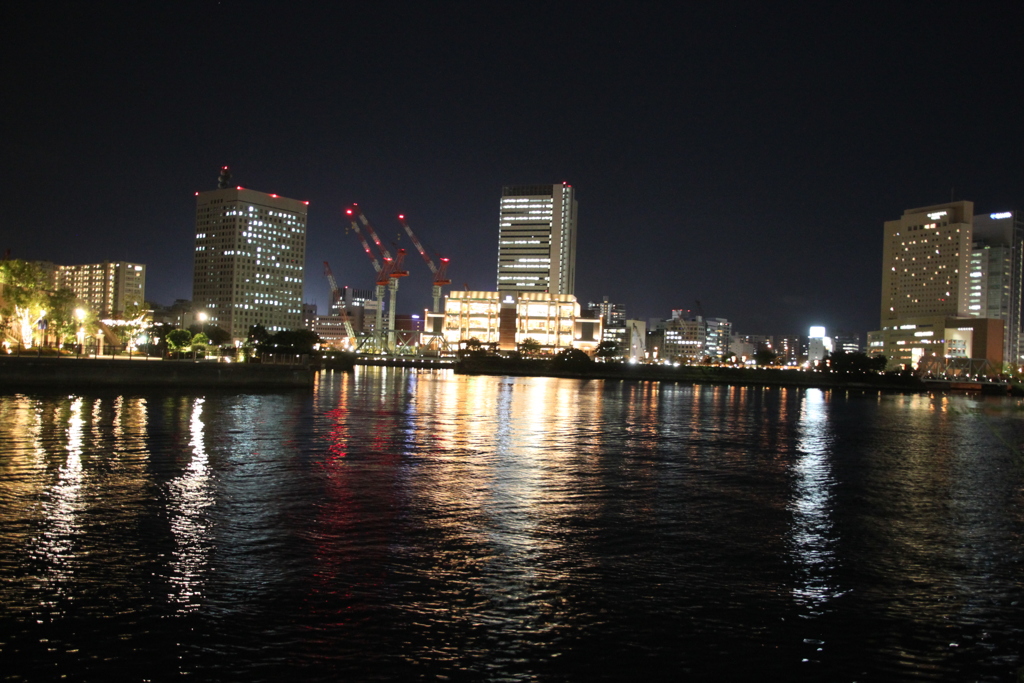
[996,275]
[107,288]
[929,317]
[925,258]
[537,239]
[250,253]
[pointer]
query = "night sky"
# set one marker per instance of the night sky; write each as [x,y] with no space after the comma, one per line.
[744,156]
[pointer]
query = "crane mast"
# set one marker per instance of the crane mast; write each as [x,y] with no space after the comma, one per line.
[440,272]
[336,300]
[387,274]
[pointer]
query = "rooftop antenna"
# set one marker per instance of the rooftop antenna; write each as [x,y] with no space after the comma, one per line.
[224,181]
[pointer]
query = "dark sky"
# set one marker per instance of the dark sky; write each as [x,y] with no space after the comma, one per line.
[744,157]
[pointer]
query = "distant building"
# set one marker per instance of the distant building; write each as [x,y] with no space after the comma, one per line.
[506,320]
[107,288]
[930,340]
[249,260]
[929,314]
[537,239]
[308,315]
[613,323]
[636,331]
[689,338]
[718,339]
[996,274]
[926,255]
[742,347]
[848,342]
[819,345]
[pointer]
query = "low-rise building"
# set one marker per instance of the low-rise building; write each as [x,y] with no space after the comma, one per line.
[507,319]
[911,341]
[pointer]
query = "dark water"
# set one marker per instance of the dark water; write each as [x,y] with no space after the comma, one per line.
[398,525]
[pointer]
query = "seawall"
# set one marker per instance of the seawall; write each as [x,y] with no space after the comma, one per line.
[697,374]
[22,373]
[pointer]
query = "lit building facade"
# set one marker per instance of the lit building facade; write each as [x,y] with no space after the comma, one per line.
[613,323]
[537,239]
[506,320]
[935,339]
[718,338]
[996,274]
[935,288]
[925,258]
[249,258]
[107,288]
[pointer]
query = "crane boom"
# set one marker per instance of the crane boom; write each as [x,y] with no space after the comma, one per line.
[440,272]
[335,292]
[336,300]
[356,212]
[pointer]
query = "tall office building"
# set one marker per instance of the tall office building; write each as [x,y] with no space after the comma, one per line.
[250,253]
[929,318]
[996,275]
[537,239]
[925,259]
[107,288]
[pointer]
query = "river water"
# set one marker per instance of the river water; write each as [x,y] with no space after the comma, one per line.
[418,525]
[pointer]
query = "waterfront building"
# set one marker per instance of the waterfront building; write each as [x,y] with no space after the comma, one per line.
[613,323]
[249,259]
[848,342]
[742,347]
[819,345]
[718,336]
[107,288]
[679,339]
[996,274]
[937,341]
[925,257]
[637,334]
[505,320]
[928,314]
[537,239]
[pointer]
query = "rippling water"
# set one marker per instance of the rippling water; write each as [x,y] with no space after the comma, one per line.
[401,524]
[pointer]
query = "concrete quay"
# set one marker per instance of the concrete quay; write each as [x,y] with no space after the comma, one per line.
[27,372]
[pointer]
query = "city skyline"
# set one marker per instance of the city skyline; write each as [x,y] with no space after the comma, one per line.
[743,159]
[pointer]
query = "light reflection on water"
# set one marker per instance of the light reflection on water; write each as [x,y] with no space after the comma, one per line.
[189,495]
[61,503]
[400,524]
[812,537]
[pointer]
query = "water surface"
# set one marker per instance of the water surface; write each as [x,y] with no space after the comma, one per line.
[402,524]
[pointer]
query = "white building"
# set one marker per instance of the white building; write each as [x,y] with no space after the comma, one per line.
[507,320]
[249,259]
[818,345]
[107,288]
[537,239]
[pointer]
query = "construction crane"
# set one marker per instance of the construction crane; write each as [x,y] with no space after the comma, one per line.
[440,272]
[336,300]
[387,274]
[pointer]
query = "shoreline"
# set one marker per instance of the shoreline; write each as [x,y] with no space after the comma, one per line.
[43,372]
[695,374]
